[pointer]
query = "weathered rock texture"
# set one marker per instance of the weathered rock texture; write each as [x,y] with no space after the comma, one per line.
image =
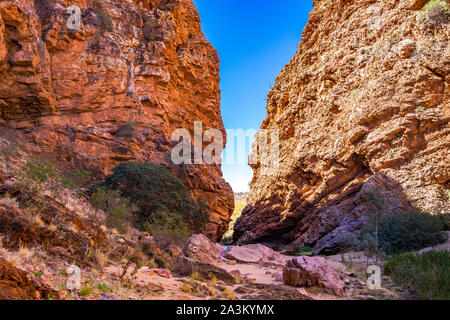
[16,284]
[254,253]
[200,248]
[313,272]
[364,103]
[114,90]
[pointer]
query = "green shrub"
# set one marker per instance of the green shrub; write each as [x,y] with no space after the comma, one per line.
[428,274]
[35,173]
[446,221]
[103,287]
[167,228]
[436,11]
[399,232]
[119,210]
[76,180]
[85,291]
[162,198]
[404,232]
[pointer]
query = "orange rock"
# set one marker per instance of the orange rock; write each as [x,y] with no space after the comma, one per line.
[115,90]
[16,284]
[355,109]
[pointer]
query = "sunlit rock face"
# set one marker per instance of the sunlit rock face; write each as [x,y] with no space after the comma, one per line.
[363,104]
[115,89]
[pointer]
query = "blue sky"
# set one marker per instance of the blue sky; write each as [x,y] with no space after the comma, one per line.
[255,40]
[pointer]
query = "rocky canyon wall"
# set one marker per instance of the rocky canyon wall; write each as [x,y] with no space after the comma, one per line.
[115,89]
[363,105]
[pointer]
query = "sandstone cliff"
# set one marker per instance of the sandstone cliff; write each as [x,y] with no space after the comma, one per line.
[364,103]
[115,89]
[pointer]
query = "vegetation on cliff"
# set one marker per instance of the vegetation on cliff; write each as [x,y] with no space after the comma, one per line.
[165,206]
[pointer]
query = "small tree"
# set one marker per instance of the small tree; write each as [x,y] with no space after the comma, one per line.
[119,210]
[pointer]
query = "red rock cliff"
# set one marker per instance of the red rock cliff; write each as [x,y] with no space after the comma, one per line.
[115,89]
[364,103]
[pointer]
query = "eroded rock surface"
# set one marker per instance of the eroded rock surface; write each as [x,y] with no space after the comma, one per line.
[16,284]
[115,89]
[313,272]
[364,103]
[254,253]
[200,248]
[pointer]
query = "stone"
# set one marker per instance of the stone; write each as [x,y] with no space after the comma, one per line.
[254,253]
[313,272]
[208,272]
[200,248]
[182,267]
[164,273]
[278,277]
[354,111]
[423,251]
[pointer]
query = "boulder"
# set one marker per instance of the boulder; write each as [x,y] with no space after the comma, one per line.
[313,272]
[208,272]
[182,267]
[200,248]
[254,253]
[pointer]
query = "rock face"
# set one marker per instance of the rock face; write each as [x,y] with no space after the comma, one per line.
[313,272]
[364,103]
[115,89]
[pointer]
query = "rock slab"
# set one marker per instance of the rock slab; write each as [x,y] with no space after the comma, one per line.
[313,272]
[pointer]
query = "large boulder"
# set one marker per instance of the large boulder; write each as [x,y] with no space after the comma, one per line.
[209,272]
[200,248]
[313,272]
[254,253]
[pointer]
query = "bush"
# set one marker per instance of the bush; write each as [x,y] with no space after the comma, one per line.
[167,227]
[398,232]
[119,210]
[76,180]
[35,173]
[126,130]
[428,274]
[404,232]
[162,198]
[436,11]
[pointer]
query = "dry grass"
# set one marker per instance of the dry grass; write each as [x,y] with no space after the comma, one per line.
[10,202]
[229,294]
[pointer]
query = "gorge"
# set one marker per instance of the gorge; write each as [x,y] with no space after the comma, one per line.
[93,94]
